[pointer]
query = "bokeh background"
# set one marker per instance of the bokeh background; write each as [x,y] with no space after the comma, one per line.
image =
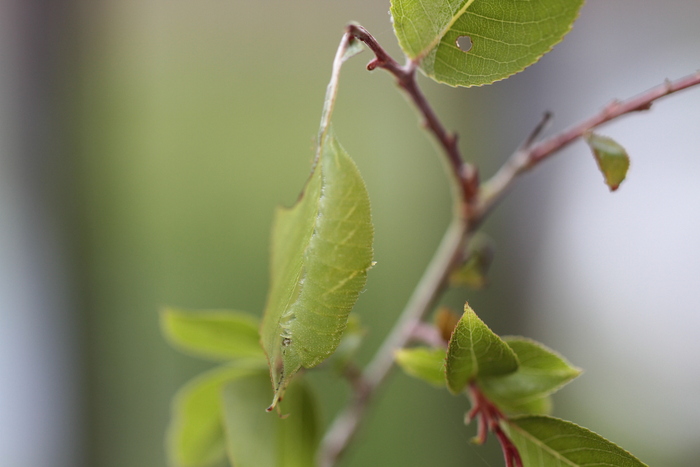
[144,145]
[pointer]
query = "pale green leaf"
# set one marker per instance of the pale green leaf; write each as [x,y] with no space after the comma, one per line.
[550,442]
[541,372]
[539,406]
[506,35]
[255,438]
[321,252]
[423,363]
[195,435]
[612,159]
[216,334]
[474,350]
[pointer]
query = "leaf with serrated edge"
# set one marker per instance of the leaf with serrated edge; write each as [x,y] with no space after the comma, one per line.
[474,350]
[550,442]
[423,363]
[611,157]
[321,252]
[506,35]
[215,334]
[257,439]
[541,372]
[195,436]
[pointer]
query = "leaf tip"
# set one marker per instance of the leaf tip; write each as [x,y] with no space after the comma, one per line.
[612,159]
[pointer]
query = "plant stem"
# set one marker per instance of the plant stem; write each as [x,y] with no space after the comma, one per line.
[531,154]
[449,253]
[464,174]
[344,427]
[472,204]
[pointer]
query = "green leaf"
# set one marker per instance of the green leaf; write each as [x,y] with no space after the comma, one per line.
[539,406]
[550,442]
[216,334]
[321,252]
[506,35]
[474,350]
[474,270]
[195,435]
[612,159]
[255,438]
[423,363]
[541,372]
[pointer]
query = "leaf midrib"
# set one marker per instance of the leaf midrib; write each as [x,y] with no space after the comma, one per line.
[434,43]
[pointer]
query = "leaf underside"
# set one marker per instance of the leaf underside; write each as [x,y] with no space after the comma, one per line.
[550,442]
[611,157]
[321,252]
[506,35]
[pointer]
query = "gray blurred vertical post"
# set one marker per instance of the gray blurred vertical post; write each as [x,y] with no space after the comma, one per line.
[39,390]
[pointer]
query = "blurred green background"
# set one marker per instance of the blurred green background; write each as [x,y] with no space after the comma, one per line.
[146,144]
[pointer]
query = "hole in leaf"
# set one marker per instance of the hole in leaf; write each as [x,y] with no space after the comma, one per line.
[464,43]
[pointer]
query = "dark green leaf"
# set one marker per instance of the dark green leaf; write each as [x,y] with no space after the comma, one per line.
[505,35]
[612,159]
[475,351]
[541,372]
[217,334]
[195,436]
[423,363]
[551,442]
[321,252]
[255,438]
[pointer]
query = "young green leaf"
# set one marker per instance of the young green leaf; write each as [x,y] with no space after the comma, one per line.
[612,159]
[473,272]
[195,436]
[423,363]
[541,372]
[445,321]
[216,334]
[538,406]
[550,442]
[257,439]
[506,35]
[475,351]
[321,252]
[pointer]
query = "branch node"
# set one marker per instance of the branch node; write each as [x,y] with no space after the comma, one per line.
[373,64]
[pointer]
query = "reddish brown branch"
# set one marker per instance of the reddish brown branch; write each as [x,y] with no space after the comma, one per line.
[531,154]
[489,418]
[465,174]
[474,204]
[612,111]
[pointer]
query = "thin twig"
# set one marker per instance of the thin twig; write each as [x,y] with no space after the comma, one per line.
[344,427]
[471,206]
[465,189]
[465,174]
[529,156]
